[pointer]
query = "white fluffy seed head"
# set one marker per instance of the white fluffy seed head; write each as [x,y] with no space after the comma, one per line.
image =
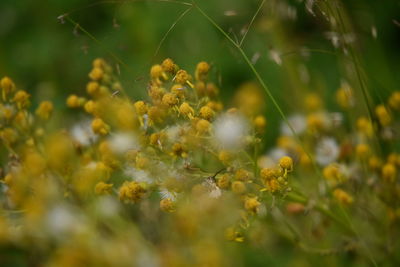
[122,142]
[83,134]
[230,129]
[298,123]
[327,151]
[137,175]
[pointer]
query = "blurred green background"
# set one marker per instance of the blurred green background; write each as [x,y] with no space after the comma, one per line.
[51,57]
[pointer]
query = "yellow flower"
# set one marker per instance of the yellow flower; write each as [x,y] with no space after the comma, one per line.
[313,102]
[44,110]
[216,106]
[8,136]
[383,115]
[342,196]
[178,150]
[389,172]
[332,173]
[102,188]
[273,185]
[157,139]
[251,204]
[344,97]
[91,107]
[394,100]
[363,151]
[100,127]
[93,88]
[21,98]
[260,123]
[393,158]
[156,114]
[156,93]
[224,181]
[178,90]
[374,163]
[7,86]
[141,107]
[96,74]
[141,162]
[73,101]
[183,77]
[315,122]
[365,126]
[157,72]
[34,163]
[202,70]
[131,192]
[225,156]
[269,173]
[286,163]
[167,205]
[186,110]
[169,66]
[203,126]
[206,113]
[170,99]
[242,175]
[232,235]
[238,187]
[249,99]
[99,63]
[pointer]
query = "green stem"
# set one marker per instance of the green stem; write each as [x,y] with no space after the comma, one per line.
[262,83]
[323,210]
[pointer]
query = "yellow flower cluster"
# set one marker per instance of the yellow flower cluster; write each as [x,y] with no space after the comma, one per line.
[178,159]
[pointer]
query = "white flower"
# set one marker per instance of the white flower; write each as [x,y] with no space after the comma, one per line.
[266,162]
[83,134]
[229,130]
[327,151]
[145,121]
[107,206]
[276,154]
[298,123]
[122,142]
[215,192]
[213,189]
[174,132]
[91,165]
[165,193]
[274,56]
[61,220]
[7,109]
[139,176]
[336,119]
[146,258]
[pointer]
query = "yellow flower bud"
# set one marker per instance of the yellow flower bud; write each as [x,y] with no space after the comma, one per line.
[96,74]
[286,163]
[102,188]
[238,187]
[203,126]
[167,205]
[389,172]
[22,99]
[100,127]
[206,113]
[44,110]
[251,204]
[342,196]
[7,86]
